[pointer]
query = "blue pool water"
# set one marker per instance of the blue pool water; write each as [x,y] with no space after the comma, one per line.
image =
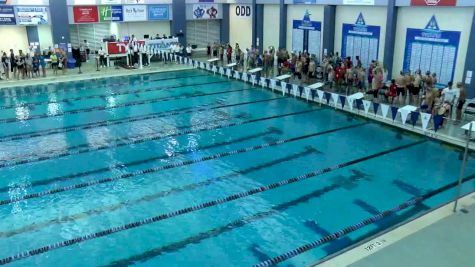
[60,142]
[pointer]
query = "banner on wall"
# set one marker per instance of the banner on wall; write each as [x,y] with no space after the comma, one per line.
[360,40]
[110,13]
[85,14]
[205,11]
[306,35]
[158,12]
[431,49]
[32,15]
[433,2]
[243,11]
[84,2]
[359,2]
[111,2]
[7,15]
[135,13]
[307,2]
[135,2]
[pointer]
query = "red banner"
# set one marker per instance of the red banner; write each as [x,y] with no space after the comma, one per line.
[115,48]
[433,2]
[85,14]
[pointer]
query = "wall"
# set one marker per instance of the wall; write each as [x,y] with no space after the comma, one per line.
[449,18]
[45,35]
[271,26]
[17,38]
[142,28]
[375,16]
[296,12]
[240,29]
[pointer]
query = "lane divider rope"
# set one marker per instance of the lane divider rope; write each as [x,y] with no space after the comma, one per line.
[170,166]
[137,139]
[164,216]
[411,202]
[128,104]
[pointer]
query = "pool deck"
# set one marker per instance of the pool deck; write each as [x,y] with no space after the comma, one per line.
[89,71]
[440,238]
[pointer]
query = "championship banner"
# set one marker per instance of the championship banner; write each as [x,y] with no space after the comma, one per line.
[205,11]
[85,14]
[7,15]
[32,15]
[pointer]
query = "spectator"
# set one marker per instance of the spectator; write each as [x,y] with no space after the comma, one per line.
[461,101]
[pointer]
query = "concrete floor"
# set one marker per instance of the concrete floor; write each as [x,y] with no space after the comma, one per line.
[446,243]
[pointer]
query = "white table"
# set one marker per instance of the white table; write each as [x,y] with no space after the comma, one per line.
[283,77]
[467,126]
[213,60]
[316,85]
[409,108]
[358,95]
[254,70]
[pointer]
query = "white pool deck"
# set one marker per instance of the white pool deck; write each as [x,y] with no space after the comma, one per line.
[439,238]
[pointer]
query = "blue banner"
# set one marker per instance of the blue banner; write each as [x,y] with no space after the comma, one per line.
[158,12]
[431,49]
[7,15]
[394,112]
[360,40]
[375,107]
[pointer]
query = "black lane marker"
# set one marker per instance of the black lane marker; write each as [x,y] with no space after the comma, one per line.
[343,232]
[147,198]
[164,216]
[128,104]
[128,92]
[69,90]
[142,161]
[156,115]
[137,139]
[196,239]
[170,166]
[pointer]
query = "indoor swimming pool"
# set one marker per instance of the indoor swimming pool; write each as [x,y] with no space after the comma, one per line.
[187,168]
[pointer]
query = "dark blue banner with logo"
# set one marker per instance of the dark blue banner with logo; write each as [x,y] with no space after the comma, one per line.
[158,12]
[7,15]
[360,40]
[431,49]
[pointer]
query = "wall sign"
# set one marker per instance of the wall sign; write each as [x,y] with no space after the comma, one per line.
[158,12]
[360,40]
[305,2]
[7,15]
[359,2]
[111,2]
[85,14]
[32,15]
[135,1]
[433,2]
[306,35]
[84,2]
[205,11]
[431,49]
[135,13]
[110,13]
[243,11]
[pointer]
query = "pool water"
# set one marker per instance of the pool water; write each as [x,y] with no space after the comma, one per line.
[73,155]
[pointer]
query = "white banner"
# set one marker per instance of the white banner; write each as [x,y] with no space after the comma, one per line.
[214,69]
[111,2]
[134,1]
[425,117]
[384,110]
[283,86]
[135,13]
[404,114]
[221,71]
[32,15]
[366,105]
[350,102]
[228,73]
[244,76]
[295,89]
[272,84]
[205,11]
[236,74]
[307,93]
[253,79]
[335,99]
[320,95]
[243,11]
[359,2]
